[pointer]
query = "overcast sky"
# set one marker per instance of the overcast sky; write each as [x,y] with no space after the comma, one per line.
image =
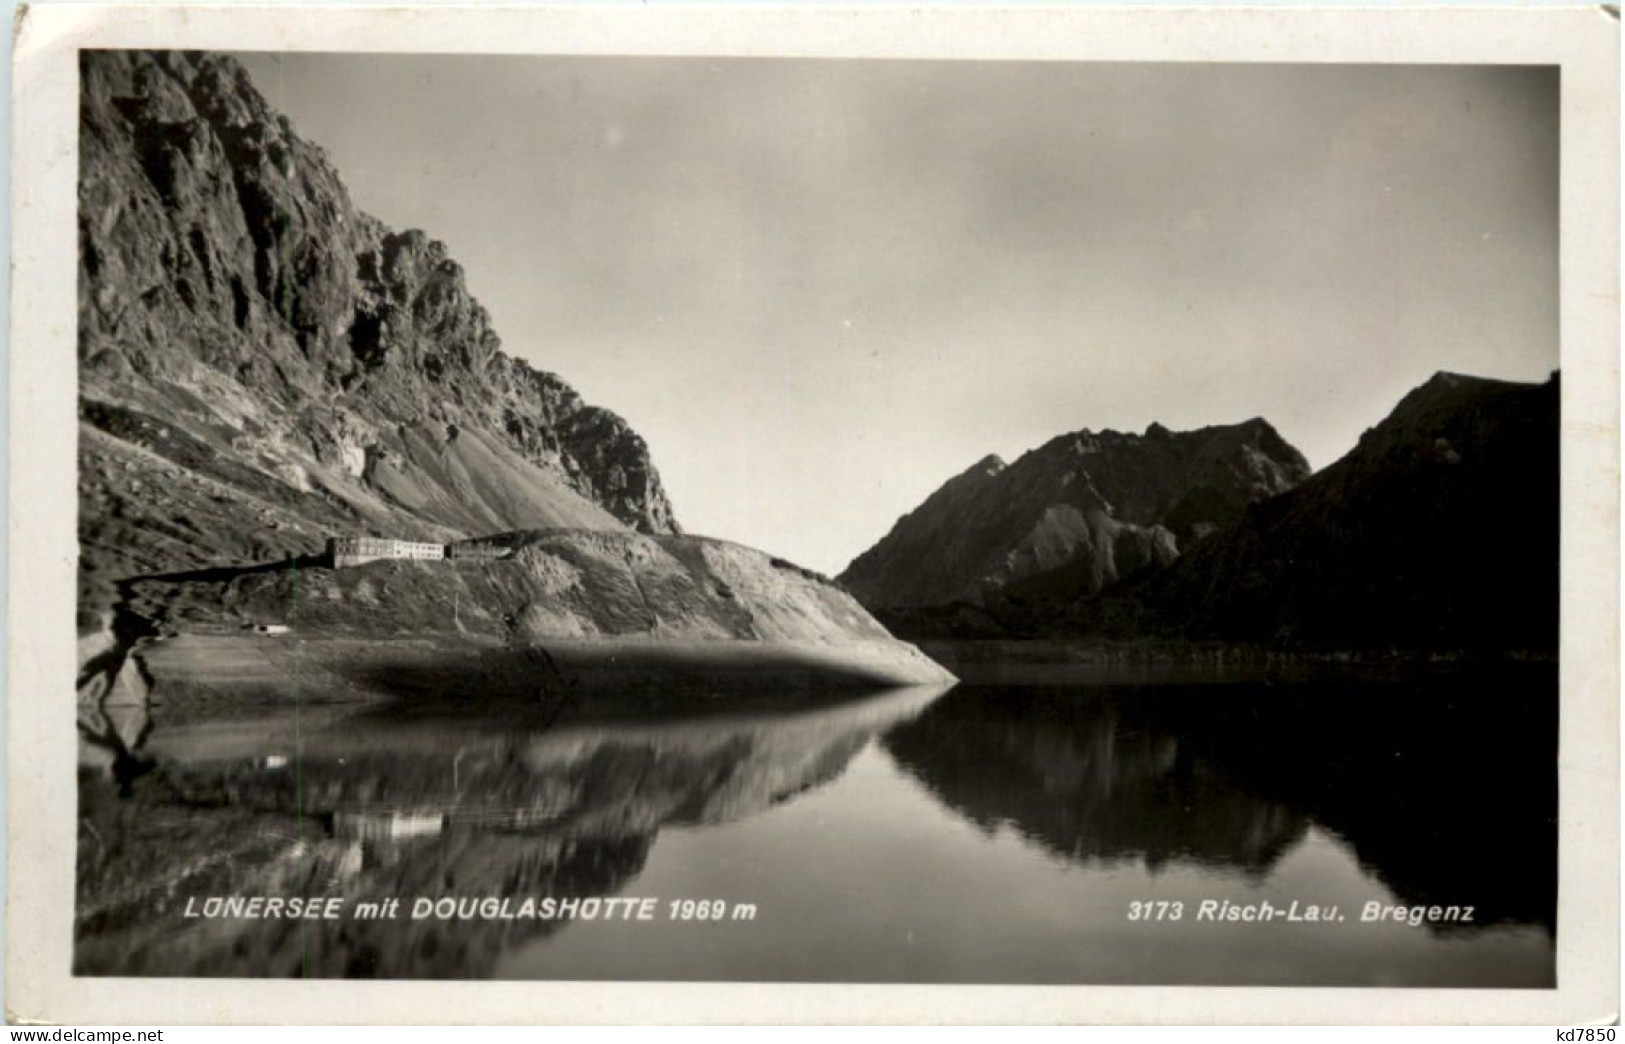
[819,289]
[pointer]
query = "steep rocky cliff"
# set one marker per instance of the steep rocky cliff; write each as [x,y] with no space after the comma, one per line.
[1077,514]
[1438,530]
[262,364]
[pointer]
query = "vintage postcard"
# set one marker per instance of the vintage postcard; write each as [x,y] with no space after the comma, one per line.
[814,514]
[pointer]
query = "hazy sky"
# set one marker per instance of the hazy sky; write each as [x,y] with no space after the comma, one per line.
[821,288]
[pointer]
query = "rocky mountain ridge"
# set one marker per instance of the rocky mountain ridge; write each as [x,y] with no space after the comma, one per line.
[1437,533]
[1439,530]
[1078,513]
[261,363]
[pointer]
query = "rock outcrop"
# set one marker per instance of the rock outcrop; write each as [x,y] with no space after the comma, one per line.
[1075,515]
[261,363]
[1087,786]
[553,584]
[610,610]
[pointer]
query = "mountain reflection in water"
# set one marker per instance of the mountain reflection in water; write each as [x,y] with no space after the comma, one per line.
[1091,780]
[402,801]
[992,834]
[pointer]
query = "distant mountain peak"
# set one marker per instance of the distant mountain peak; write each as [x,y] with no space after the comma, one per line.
[1085,508]
[1439,530]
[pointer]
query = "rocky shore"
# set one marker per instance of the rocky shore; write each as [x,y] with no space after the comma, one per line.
[565,610]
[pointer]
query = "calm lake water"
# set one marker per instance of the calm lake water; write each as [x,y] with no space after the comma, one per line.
[1001,831]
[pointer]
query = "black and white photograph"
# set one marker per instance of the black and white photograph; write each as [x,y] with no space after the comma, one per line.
[776,518]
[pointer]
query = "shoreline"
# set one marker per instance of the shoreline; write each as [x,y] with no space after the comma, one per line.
[317,667]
